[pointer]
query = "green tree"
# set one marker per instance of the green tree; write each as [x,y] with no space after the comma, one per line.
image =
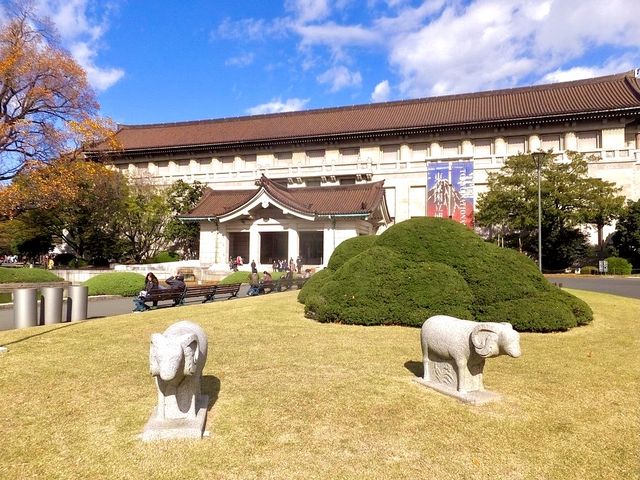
[184,237]
[603,206]
[626,238]
[569,198]
[143,220]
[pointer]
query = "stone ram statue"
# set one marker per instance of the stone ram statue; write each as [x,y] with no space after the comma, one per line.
[176,359]
[454,351]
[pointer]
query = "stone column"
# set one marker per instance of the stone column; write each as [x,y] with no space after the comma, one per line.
[570,141]
[534,143]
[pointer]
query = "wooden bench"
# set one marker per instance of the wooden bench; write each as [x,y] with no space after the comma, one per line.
[230,289]
[206,291]
[164,295]
[271,286]
[286,284]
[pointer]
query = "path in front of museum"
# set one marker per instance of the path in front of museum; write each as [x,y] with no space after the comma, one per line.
[100,307]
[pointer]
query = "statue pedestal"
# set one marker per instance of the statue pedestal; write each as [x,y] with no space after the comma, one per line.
[477,397]
[158,429]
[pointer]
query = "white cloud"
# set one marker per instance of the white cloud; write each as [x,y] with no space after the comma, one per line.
[308,10]
[578,73]
[277,106]
[333,35]
[243,60]
[381,92]
[490,44]
[81,35]
[340,77]
[248,29]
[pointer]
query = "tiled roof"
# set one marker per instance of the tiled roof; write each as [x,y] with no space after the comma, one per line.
[361,199]
[614,93]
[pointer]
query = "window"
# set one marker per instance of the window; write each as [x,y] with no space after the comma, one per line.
[450,149]
[550,142]
[315,157]
[482,147]
[587,141]
[284,159]
[249,162]
[516,145]
[390,154]
[226,164]
[419,152]
[349,155]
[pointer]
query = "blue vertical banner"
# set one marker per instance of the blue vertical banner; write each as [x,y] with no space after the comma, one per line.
[450,191]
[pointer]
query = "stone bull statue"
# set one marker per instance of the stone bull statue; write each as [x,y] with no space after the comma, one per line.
[176,359]
[454,351]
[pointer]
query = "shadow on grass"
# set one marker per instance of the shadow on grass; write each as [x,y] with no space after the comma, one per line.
[210,386]
[414,367]
[65,325]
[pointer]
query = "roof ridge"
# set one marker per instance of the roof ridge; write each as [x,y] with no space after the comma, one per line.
[624,77]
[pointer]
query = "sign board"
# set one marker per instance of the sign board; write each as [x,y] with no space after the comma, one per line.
[450,191]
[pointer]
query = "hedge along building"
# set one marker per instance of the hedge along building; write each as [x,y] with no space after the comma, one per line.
[433,155]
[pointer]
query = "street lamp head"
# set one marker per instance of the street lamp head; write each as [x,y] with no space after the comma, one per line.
[538,157]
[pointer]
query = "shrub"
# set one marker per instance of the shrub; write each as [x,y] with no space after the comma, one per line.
[618,266]
[428,266]
[164,257]
[589,270]
[380,287]
[27,275]
[126,284]
[315,282]
[350,248]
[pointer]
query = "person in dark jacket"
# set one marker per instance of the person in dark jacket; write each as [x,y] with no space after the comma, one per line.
[150,284]
[176,283]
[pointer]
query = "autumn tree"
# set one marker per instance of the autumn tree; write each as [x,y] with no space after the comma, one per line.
[75,201]
[570,198]
[47,107]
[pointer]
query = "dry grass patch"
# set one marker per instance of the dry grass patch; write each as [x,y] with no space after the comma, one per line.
[298,399]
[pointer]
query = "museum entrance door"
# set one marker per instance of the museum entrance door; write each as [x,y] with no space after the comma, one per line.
[273,246]
[239,246]
[311,247]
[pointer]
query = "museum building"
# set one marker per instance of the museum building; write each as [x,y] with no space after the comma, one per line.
[299,183]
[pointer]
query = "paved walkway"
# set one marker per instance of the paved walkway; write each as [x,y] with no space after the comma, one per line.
[622,286]
[98,307]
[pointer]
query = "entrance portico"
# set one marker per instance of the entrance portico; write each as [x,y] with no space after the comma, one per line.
[273,222]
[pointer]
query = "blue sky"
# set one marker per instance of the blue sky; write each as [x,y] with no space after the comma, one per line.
[169,61]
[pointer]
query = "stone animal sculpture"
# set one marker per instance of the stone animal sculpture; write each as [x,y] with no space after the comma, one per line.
[464,345]
[176,359]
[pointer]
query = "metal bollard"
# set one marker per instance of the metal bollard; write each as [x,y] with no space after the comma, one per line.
[25,307]
[52,304]
[77,302]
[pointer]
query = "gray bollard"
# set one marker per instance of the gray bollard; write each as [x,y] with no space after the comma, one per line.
[77,302]
[52,304]
[25,307]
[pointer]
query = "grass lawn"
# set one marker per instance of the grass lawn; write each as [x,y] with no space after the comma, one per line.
[298,399]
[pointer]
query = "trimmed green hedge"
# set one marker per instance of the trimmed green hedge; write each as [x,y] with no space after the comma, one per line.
[618,266]
[27,275]
[429,266]
[126,284]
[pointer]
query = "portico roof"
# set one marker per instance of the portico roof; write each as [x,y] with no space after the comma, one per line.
[362,200]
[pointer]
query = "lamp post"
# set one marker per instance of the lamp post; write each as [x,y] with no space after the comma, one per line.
[538,158]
